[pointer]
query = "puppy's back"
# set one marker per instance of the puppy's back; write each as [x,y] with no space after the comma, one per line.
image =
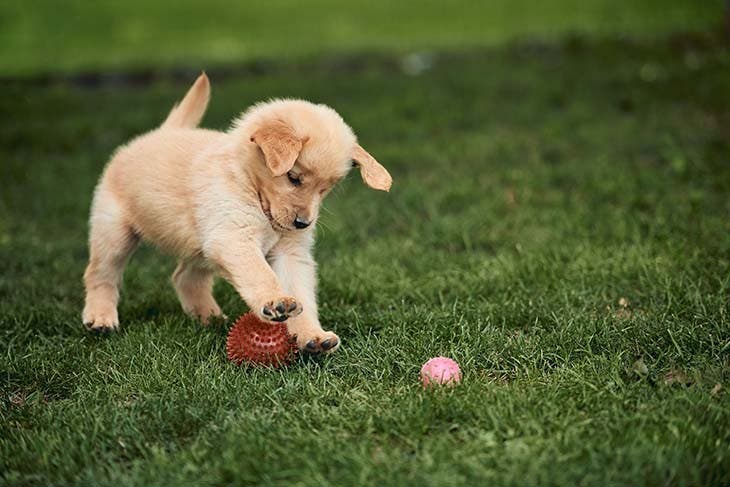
[151,179]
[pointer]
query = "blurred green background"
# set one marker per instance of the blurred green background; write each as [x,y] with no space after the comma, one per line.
[52,35]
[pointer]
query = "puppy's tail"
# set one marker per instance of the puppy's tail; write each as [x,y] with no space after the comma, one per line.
[189,112]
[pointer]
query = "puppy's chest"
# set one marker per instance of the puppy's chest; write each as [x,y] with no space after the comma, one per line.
[268,240]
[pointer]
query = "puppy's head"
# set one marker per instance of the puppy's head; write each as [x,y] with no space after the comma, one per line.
[302,151]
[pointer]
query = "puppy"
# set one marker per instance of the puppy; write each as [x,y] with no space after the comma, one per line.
[241,204]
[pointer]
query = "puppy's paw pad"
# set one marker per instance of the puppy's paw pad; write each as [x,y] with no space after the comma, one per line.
[281,309]
[101,320]
[330,344]
[327,342]
[101,327]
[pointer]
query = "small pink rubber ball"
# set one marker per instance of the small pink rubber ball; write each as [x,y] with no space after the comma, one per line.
[440,371]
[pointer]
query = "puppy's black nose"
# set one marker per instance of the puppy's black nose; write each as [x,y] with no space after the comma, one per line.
[299,223]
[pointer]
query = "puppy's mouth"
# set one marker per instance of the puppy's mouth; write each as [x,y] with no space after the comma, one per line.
[266,209]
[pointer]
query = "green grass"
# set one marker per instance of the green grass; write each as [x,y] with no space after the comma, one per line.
[51,35]
[535,187]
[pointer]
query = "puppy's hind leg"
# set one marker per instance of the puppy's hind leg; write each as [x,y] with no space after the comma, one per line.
[193,282]
[111,242]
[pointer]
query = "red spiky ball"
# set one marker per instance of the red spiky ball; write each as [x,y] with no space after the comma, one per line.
[259,342]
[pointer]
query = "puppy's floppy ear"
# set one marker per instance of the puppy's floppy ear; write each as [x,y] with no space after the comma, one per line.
[374,175]
[280,146]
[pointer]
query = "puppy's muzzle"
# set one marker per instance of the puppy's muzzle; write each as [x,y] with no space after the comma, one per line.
[301,223]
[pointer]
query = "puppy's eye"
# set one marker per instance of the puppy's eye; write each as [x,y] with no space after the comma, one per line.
[294,179]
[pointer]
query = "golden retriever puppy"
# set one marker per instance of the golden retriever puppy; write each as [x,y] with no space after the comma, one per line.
[242,204]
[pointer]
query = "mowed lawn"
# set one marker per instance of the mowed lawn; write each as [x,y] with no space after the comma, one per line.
[559,224]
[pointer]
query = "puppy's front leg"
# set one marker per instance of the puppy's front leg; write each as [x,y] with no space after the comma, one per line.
[244,266]
[292,261]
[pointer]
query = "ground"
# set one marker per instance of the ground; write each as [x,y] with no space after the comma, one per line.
[559,224]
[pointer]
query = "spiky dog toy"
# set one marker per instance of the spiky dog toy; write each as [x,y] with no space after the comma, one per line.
[257,342]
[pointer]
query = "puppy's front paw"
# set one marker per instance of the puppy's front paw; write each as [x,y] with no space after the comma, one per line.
[101,321]
[281,309]
[321,342]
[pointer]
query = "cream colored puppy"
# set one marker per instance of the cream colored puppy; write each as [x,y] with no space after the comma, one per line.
[241,203]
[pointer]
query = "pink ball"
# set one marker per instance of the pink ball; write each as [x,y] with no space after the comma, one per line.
[440,370]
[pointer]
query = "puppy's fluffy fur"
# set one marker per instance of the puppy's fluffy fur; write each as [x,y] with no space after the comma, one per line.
[241,203]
